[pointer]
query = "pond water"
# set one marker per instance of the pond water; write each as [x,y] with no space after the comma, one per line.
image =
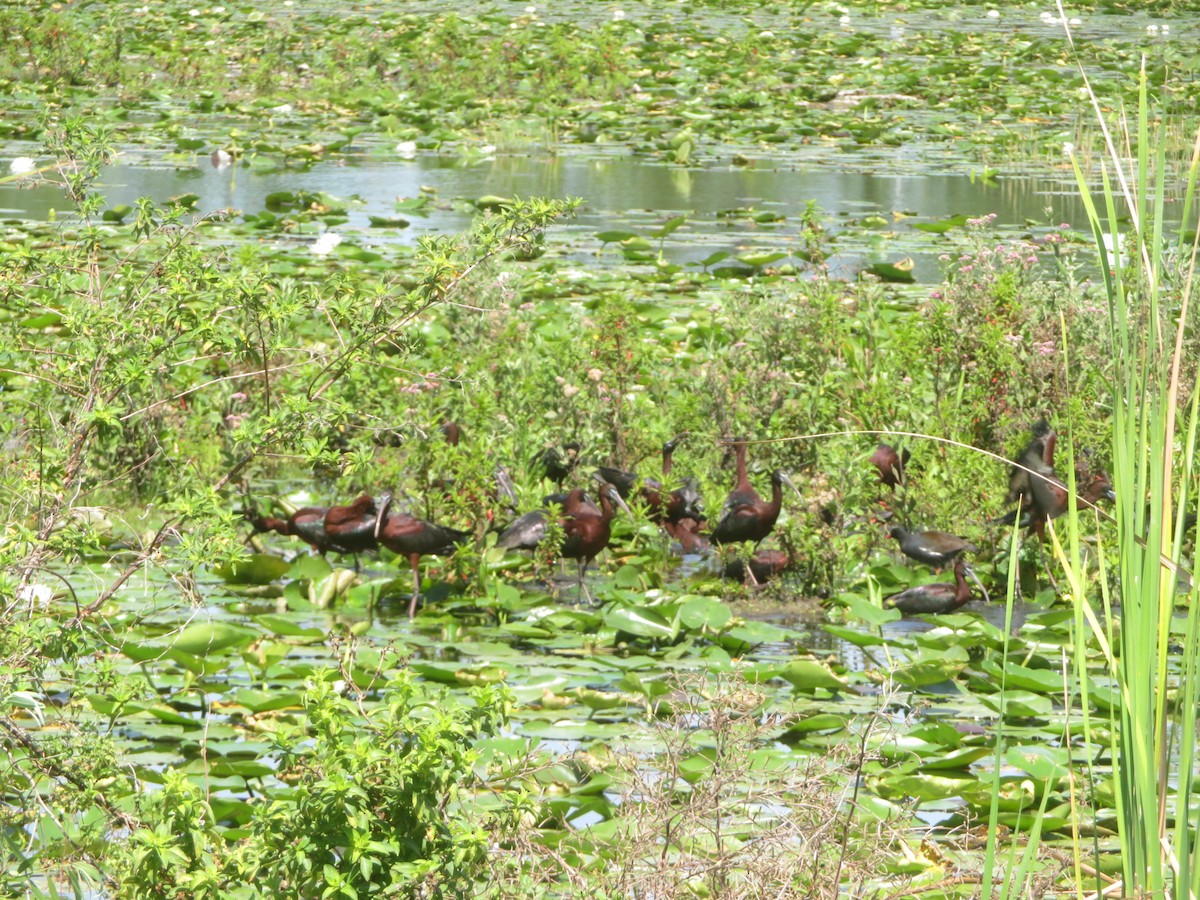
[728,207]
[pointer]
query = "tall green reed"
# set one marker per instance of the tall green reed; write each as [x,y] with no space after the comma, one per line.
[1151,739]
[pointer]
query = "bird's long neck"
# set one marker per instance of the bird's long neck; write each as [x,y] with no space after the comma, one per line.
[739,454]
[607,510]
[964,590]
[776,497]
[1048,449]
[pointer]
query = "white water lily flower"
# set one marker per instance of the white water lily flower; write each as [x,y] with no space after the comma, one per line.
[1068,148]
[324,245]
[993,13]
[844,21]
[618,15]
[22,165]
[406,149]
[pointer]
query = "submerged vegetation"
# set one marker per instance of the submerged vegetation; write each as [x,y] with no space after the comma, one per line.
[188,708]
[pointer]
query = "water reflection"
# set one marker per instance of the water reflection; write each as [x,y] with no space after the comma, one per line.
[620,193]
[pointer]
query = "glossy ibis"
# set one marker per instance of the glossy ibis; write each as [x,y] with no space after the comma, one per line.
[409,536]
[588,528]
[935,548]
[1030,461]
[555,464]
[451,431]
[357,526]
[746,516]
[938,597]
[764,565]
[890,463]
[306,523]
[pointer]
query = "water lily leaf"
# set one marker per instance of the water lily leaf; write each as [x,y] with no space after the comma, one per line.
[240,768]
[267,701]
[811,675]
[388,222]
[932,666]
[667,227]
[751,633]
[941,226]
[757,260]
[704,612]
[868,612]
[165,714]
[641,622]
[285,627]
[826,723]
[855,636]
[1019,704]
[920,785]
[1015,675]
[901,271]
[257,568]
[1039,760]
[608,237]
[190,143]
[957,759]
[492,202]
[212,637]
[713,258]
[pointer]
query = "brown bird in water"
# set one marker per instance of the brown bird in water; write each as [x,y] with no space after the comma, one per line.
[934,598]
[764,565]
[356,526]
[306,523]
[934,548]
[409,536]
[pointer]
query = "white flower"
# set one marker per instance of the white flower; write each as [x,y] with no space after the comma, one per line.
[766,34]
[324,245]
[406,149]
[221,159]
[22,165]
[1075,21]
[844,21]
[531,9]
[1166,29]
[1068,148]
[193,12]
[1151,29]
[282,110]
[993,13]
[618,15]
[487,149]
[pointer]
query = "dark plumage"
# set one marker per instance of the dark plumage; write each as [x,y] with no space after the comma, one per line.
[934,598]
[555,464]
[746,516]
[1029,460]
[764,565]
[890,463]
[934,548]
[409,536]
[355,527]
[306,523]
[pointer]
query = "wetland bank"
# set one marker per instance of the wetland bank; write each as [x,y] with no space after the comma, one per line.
[257,257]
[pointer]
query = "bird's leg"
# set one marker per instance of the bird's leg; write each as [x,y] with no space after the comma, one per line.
[750,579]
[416,592]
[583,591]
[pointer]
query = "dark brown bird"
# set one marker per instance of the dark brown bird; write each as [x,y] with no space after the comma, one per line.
[555,464]
[746,516]
[356,526]
[764,565]
[409,536]
[306,523]
[1029,461]
[934,548]
[452,432]
[588,528]
[678,505]
[890,463]
[934,598]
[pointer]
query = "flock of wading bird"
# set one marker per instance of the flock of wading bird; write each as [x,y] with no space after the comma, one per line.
[585,525]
